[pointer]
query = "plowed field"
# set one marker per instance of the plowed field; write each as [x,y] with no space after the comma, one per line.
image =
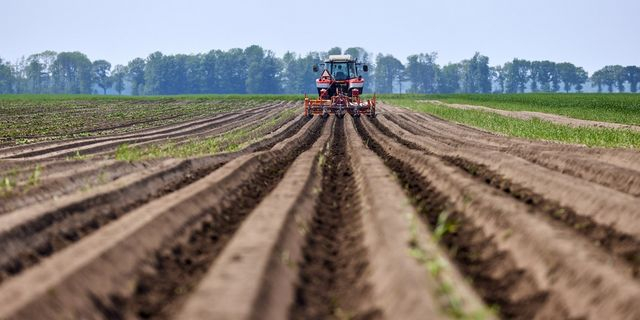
[403,216]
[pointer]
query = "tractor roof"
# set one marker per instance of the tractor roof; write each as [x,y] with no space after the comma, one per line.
[340,58]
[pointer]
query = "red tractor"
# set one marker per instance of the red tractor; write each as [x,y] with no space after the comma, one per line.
[339,88]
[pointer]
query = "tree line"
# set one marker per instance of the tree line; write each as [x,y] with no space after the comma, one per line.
[255,70]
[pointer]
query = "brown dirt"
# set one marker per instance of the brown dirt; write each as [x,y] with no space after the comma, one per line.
[490,273]
[403,217]
[331,273]
[54,226]
[85,146]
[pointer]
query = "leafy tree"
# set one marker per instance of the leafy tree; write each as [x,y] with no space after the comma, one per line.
[609,77]
[633,76]
[534,75]
[581,77]
[101,70]
[71,72]
[516,75]
[422,70]
[136,75]
[6,78]
[449,78]
[34,74]
[597,80]
[153,74]
[232,71]
[476,74]
[118,76]
[568,73]
[174,77]
[544,73]
[38,72]
[606,76]
[388,69]
[297,75]
[334,50]
[620,76]
[263,71]
[196,74]
[209,69]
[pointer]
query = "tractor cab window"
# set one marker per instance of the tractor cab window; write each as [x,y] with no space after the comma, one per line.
[339,71]
[343,70]
[352,70]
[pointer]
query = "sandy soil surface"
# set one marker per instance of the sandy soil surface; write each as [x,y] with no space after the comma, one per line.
[404,216]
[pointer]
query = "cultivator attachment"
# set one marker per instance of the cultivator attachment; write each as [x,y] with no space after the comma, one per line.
[339,105]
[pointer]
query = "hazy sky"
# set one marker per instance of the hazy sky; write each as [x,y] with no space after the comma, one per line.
[588,33]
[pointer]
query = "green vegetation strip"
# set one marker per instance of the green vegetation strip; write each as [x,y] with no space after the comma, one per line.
[229,141]
[530,129]
[618,108]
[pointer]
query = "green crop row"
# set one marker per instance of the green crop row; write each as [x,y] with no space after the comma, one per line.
[530,129]
[618,108]
[233,140]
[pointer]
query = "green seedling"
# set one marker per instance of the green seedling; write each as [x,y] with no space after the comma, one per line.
[7,185]
[34,178]
[444,225]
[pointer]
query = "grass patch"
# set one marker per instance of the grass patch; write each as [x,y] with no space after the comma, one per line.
[530,129]
[618,108]
[226,142]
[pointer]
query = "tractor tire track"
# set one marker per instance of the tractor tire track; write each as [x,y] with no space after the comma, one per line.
[335,260]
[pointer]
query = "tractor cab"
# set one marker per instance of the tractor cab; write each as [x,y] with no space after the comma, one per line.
[341,74]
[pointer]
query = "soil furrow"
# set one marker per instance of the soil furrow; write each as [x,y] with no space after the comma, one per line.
[332,283]
[59,184]
[51,146]
[251,121]
[529,267]
[616,169]
[57,227]
[401,249]
[623,245]
[257,273]
[86,146]
[155,130]
[118,251]
[163,284]
[258,266]
[585,206]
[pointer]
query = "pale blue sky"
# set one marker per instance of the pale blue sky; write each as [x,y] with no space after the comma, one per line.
[588,33]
